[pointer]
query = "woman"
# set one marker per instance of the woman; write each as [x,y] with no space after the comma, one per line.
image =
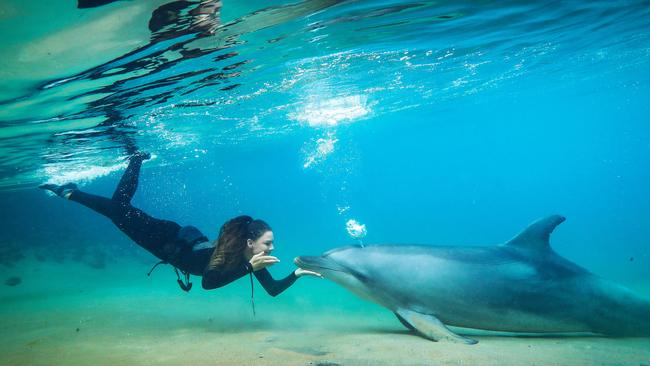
[243,247]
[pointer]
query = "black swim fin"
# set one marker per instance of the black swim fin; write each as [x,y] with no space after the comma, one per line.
[61,191]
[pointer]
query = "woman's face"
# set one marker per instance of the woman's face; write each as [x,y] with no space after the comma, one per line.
[263,244]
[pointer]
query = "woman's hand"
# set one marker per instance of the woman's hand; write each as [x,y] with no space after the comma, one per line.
[303,272]
[261,260]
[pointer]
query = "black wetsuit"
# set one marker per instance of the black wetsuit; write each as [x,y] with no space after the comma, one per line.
[217,278]
[161,237]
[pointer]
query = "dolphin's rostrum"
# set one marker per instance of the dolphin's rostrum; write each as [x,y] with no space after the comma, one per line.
[521,286]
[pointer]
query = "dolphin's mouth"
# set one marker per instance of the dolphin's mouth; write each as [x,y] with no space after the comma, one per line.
[317,263]
[329,268]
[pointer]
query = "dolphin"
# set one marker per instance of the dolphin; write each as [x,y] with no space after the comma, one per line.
[521,286]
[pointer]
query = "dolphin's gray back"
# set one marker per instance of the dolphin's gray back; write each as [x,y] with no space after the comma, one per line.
[497,288]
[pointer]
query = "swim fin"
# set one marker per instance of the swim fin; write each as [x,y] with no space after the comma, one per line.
[61,191]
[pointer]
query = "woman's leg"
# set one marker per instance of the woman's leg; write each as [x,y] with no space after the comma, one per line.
[157,236]
[129,181]
[105,206]
[114,208]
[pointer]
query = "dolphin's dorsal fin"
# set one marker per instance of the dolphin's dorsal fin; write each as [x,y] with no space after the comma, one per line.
[537,234]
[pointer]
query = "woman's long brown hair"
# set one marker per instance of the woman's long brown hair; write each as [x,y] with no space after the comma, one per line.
[231,243]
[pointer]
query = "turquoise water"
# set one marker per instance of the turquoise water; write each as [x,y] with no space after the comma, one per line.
[428,122]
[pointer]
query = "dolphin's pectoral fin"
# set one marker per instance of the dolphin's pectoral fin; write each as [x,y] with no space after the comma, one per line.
[404,322]
[430,327]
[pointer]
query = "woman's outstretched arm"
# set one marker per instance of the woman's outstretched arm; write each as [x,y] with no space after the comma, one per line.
[274,287]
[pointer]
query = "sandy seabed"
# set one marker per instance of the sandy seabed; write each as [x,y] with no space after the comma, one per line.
[74,315]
